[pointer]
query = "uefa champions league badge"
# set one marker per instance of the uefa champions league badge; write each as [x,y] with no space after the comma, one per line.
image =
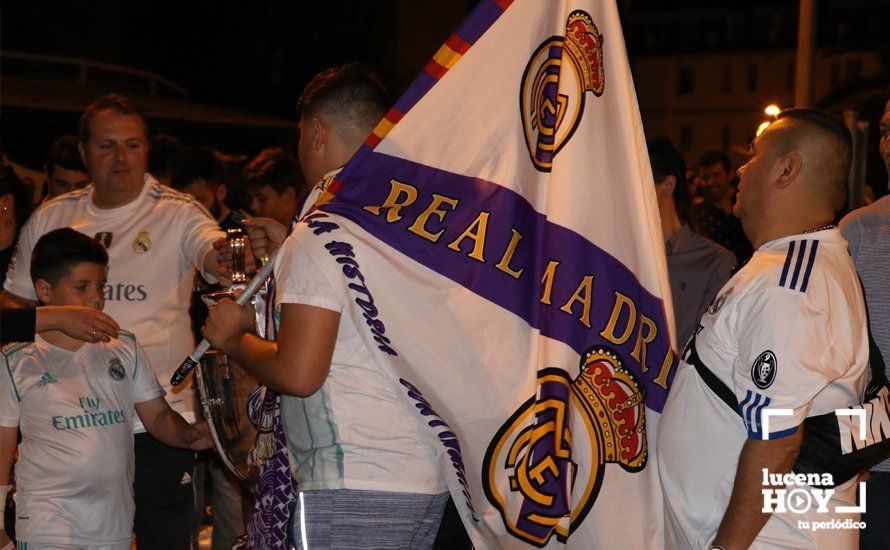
[116,369]
[763,371]
[141,244]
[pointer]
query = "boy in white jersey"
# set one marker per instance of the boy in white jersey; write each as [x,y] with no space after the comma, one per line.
[74,403]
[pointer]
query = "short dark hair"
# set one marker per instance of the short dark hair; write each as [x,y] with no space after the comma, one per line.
[822,120]
[58,251]
[11,184]
[351,91]
[712,157]
[109,102]
[833,128]
[666,161]
[63,152]
[277,169]
[193,164]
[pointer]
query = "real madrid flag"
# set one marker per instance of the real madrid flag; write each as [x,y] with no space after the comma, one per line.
[498,234]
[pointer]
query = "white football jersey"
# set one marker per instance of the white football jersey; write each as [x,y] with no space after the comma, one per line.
[74,476]
[354,432]
[788,331]
[154,245]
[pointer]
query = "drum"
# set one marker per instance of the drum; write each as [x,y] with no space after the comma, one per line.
[223,387]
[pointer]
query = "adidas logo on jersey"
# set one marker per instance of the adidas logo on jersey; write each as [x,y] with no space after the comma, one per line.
[47,378]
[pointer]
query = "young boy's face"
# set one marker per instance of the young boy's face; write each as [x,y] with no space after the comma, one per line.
[82,286]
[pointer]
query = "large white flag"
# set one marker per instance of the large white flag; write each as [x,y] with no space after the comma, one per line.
[499,236]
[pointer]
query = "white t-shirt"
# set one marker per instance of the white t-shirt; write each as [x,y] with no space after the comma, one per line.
[354,432]
[74,476]
[787,331]
[154,245]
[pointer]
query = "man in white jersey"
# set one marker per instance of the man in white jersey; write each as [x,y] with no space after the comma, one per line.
[365,475]
[786,332]
[74,402]
[155,237]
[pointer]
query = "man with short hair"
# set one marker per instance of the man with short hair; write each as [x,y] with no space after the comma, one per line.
[156,237]
[697,267]
[63,168]
[365,474]
[276,185]
[785,336]
[713,216]
[868,232]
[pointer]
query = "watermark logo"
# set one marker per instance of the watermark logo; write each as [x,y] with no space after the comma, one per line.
[803,493]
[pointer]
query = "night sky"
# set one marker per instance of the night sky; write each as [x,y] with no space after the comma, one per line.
[253,56]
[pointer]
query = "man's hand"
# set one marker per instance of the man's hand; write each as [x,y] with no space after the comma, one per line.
[265,234]
[6,542]
[199,436]
[744,517]
[226,323]
[83,323]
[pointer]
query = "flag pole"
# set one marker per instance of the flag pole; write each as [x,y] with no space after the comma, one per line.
[806,54]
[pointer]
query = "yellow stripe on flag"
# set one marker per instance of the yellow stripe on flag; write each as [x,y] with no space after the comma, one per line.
[383,128]
[446,56]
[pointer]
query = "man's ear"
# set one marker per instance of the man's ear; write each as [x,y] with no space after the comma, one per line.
[320,134]
[44,291]
[789,167]
[666,187]
[83,155]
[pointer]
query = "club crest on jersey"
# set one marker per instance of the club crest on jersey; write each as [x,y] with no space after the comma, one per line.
[104,238]
[116,369]
[763,371]
[544,468]
[554,86]
[719,301]
[141,244]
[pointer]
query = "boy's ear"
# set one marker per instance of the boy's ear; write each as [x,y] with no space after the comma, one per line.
[44,291]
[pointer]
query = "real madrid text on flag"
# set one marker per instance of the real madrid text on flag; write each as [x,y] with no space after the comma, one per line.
[498,235]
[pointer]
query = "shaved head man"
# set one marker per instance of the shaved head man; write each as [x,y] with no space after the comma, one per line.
[785,340]
[795,178]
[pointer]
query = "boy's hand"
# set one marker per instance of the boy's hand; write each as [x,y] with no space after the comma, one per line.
[200,436]
[226,322]
[84,323]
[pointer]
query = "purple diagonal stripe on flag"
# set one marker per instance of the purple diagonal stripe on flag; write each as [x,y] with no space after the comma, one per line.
[578,257]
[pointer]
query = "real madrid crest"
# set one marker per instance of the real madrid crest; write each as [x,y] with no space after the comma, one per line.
[141,244]
[544,468]
[554,85]
[115,369]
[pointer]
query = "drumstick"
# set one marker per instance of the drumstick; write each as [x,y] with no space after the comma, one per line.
[192,360]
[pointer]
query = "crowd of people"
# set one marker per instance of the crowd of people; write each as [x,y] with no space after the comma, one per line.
[115,246]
